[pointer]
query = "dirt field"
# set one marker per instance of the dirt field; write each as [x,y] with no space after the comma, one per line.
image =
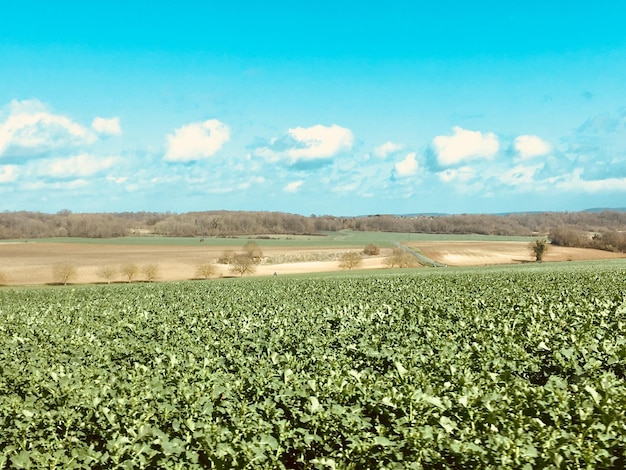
[473,253]
[32,263]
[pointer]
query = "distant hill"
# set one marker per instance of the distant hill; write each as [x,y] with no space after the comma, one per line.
[603,209]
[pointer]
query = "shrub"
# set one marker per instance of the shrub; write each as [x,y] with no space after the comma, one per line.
[206,270]
[371,250]
[538,248]
[226,257]
[401,259]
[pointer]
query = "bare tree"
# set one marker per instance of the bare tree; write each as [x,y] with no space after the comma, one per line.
[129,271]
[151,272]
[401,259]
[206,270]
[253,250]
[538,248]
[3,278]
[63,273]
[226,257]
[350,260]
[242,263]
[107,273]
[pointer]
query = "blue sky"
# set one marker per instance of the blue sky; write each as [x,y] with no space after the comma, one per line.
[325,107]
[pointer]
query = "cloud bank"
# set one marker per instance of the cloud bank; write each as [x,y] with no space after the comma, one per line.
[31,129]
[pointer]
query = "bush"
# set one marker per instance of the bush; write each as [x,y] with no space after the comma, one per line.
[401,259]
[206,270]
[538,248]
[371,250]
[226,257]
[567,236]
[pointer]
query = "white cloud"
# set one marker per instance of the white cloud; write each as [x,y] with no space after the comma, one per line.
[576,183]
[530,146]
[308,144]
[196,141]
[462,174]
[346,188]
[520,175]
[107,126]
[407,166]
[294,186]
[30,126]
[78,166]
[8,173]
[321,141]
[118,180]
[386,149]
[56,185]
[464,145]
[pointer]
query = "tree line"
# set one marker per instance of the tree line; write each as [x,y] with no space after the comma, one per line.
[580,227]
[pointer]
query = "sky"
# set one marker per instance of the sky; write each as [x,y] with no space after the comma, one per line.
[336,107]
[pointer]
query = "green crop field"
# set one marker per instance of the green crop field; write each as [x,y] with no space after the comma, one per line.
[491,368]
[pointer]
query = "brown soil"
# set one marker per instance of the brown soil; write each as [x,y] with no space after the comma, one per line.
[470,253]
[32,263]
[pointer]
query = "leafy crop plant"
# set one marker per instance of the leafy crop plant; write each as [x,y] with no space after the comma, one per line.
[504,368]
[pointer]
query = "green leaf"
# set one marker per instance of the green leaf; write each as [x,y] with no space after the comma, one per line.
[382,441]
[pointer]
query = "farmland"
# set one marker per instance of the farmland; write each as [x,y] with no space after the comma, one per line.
[518,367]
[27,262]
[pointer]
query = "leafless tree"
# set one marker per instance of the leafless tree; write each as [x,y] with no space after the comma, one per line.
[206,270]
[401,259]
[129,271]
[350,260]
[253,250]
[151,272]
[226,257]
[242,263]
[63,273]
[107,273]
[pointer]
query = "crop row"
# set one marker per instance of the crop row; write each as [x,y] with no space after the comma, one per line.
[511,368]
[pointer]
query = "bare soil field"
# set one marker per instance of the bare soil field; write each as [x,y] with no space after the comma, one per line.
[32,263]
[475,253]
